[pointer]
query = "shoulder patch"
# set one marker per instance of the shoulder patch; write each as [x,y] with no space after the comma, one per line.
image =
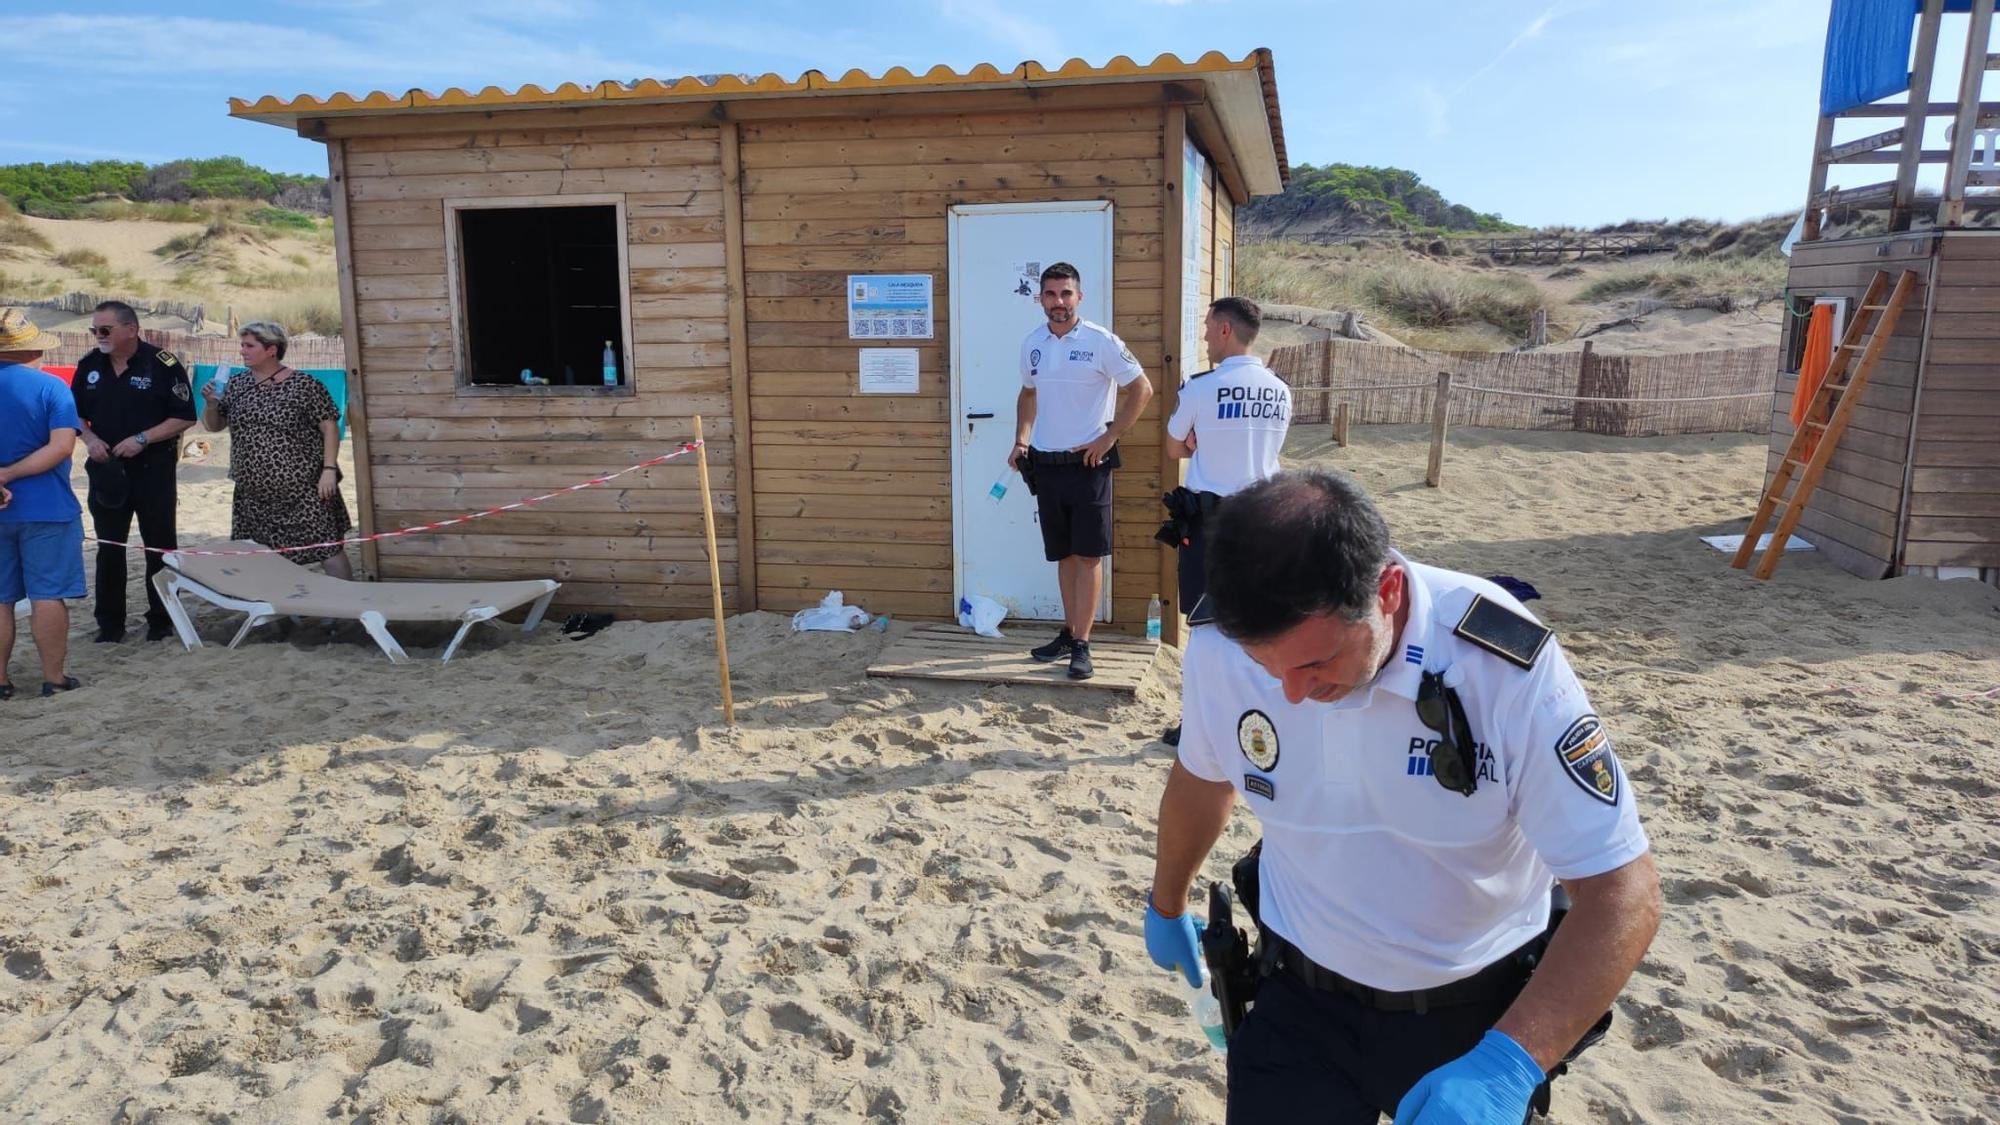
[1586,756]
[1506,634]
[167,358]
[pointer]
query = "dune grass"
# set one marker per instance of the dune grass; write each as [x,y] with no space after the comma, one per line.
[1409,297]
[1691,280]
[81,259]
[16,235]
[318,314]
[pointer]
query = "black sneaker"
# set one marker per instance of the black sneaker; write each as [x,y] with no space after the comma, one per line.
[1173,735]
[1080,667]
[159,632]
[106,635]
[1056,649]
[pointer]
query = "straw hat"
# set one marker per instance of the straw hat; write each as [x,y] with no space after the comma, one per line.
[19,334]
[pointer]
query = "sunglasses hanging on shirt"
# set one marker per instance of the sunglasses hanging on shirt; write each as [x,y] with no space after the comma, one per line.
[1453,760]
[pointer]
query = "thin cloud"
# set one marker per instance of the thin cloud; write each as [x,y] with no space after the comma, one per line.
[407,51]
[1533,31]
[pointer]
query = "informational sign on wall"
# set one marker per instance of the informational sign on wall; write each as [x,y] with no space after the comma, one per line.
[1193,172]
[889,306]
[888,371]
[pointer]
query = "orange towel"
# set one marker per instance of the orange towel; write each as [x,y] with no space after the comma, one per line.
[1812,368]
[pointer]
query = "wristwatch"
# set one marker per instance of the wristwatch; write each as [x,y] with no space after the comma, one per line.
[142,439]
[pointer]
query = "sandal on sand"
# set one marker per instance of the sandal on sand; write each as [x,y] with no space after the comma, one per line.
[69,683]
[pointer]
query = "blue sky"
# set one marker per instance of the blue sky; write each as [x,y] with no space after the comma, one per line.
[1578,111]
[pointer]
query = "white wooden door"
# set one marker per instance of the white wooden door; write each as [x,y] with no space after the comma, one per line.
[997,255]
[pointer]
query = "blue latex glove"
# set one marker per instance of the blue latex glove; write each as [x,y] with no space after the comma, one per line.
[1488,1085]
[1174,943]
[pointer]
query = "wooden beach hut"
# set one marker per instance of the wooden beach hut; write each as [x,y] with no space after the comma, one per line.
[835,272]
[1914,485]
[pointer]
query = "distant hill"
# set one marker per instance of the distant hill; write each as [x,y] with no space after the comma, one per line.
[70,189]
[1334,202]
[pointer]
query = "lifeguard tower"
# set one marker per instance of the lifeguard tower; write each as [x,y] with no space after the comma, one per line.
[1912,485]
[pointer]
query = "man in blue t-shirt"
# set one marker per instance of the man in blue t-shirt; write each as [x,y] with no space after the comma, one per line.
[41,524]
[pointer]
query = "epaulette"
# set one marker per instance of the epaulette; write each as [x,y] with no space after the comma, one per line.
[166,358]
[1511,636]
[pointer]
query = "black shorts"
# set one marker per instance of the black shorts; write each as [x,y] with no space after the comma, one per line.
[1074,504]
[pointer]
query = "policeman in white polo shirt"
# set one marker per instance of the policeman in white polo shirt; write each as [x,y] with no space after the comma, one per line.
[1424,765]
[1066,444]
[1230,424]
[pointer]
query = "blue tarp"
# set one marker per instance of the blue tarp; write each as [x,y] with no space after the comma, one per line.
[1868,50]
[1867,53]
[335,379]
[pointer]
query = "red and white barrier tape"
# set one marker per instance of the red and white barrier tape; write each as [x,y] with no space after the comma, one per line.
[420,529]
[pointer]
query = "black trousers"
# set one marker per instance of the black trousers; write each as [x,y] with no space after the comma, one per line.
[1306,1055]
[151,500]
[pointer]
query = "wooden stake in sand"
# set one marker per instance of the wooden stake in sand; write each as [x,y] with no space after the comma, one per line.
[714,572]
[1440,415]
[1340,425]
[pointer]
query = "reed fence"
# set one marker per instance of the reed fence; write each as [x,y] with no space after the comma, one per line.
[302,352]
[1724,391]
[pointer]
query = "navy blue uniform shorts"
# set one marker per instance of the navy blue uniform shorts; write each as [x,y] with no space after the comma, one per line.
[1307,1055]
[1074,505]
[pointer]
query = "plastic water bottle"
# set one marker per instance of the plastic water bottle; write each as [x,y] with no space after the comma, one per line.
[1207,1011]
[1153,619]
[610,365]
[999,490]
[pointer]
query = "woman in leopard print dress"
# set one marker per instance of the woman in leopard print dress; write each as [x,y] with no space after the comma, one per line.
[286,437]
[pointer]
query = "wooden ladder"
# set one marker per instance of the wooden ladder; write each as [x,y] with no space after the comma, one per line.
[1868,332]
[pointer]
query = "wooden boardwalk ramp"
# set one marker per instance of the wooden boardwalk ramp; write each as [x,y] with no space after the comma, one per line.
[949,652]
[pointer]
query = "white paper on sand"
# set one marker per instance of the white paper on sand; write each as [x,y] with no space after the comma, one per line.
[1732,542]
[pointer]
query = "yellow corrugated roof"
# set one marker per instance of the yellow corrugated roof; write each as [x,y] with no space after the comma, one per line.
[1255,66]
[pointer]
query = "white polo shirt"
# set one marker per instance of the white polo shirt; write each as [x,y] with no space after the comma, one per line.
[1239,413]
[1370,866]
[1076,377]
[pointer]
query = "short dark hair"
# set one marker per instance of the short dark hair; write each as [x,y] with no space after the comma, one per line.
[1062,269]
[1241,312]
[1303,544]
[119,310]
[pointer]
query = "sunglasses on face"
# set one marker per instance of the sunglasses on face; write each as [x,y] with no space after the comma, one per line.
[100,331]
[1452,760]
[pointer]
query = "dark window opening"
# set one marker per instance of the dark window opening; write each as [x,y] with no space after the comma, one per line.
[542,296]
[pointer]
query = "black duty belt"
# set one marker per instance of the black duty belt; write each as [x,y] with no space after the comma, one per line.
[1503,978]
[1070,458]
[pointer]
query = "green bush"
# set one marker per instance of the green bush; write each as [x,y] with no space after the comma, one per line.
[61,191]
[1371,198]
[277,218]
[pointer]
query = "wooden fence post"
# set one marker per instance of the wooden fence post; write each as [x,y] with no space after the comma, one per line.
[1440,414]
[1340,425]
[1350,325]
[1538,333]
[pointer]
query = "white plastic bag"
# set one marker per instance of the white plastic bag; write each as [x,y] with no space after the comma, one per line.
[832,615]
[981,614]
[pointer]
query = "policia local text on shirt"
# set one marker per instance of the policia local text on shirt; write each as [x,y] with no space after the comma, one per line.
[134,400]
[1424,765]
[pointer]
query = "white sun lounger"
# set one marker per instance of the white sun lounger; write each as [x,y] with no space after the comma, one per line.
[268,587]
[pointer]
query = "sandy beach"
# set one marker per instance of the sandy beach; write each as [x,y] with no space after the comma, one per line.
[545,883]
